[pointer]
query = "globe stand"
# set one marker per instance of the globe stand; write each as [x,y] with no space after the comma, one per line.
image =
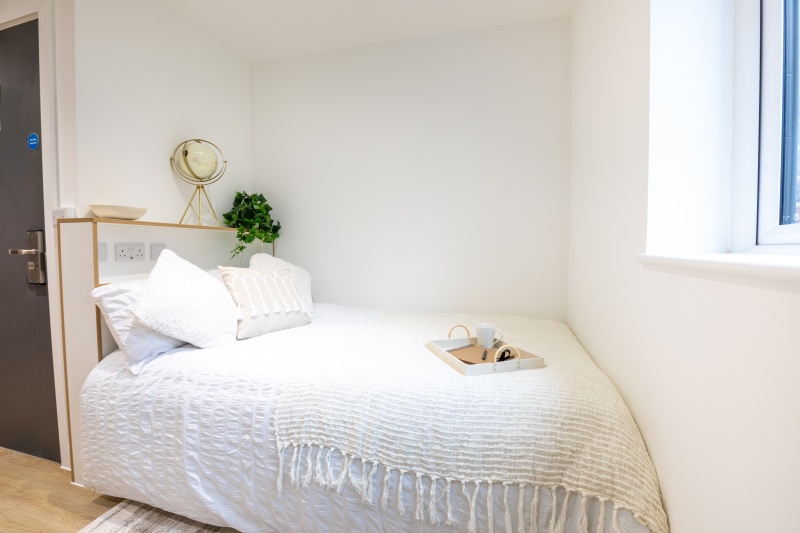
[196,162]
[199,192]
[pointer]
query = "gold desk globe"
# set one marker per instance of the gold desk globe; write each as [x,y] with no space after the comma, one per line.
[196,161]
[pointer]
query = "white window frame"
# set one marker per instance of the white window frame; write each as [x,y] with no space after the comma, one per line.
[767,266]
[770,231]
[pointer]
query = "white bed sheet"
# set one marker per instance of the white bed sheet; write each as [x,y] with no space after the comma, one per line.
[150,438]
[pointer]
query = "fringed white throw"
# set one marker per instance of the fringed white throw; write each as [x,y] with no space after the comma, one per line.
[389,402]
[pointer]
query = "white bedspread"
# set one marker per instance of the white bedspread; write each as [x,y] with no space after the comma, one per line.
[193,434]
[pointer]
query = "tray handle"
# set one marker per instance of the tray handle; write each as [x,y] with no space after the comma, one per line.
[501,349]
[455,327]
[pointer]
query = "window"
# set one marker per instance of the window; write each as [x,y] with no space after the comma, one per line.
[779,184]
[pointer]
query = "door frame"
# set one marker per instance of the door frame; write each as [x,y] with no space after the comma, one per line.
[59,169]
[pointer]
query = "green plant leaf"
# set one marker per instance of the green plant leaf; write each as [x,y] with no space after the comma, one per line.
[250,216]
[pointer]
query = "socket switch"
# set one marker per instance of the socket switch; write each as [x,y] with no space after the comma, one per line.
[62,212]
[126,251]
[155,250]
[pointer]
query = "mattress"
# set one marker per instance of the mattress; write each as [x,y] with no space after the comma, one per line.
[193,434]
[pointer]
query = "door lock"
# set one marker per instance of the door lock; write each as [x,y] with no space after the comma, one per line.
[36,263]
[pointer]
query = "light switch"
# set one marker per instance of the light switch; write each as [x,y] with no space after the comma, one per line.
[155,250]
[62,212]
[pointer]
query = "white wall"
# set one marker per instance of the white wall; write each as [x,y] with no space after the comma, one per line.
[145,81]
[708,368]
[425,174]
[690,126]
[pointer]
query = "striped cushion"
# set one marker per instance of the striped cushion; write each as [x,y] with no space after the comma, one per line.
[267,300]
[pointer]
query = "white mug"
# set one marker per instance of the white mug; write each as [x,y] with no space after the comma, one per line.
[486,334]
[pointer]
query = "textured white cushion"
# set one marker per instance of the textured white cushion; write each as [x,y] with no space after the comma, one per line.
[267,300]
[139,344]
[182,301]
[301,277]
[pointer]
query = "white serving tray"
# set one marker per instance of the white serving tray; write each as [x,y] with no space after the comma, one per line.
[526,361]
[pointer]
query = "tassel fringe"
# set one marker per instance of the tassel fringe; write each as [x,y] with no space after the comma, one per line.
[328,482]
[562,519]
[280,470]
[401,510]
[554,508]
[507,515]
[385,491]
[292,471]
[318,467]
[535,511]
[418,514]
[374,483]
[490,506]
[471,525]
[584,517]
[307,476]
[366,498]
[339,483]
[601,522]
[432,514]
[309,465]
[450,520]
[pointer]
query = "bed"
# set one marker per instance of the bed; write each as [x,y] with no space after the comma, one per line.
[349,424]
[345,424]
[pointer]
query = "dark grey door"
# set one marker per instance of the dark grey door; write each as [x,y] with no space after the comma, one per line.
[28,420]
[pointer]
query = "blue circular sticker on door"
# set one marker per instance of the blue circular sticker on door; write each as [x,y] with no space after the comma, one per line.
[33,141]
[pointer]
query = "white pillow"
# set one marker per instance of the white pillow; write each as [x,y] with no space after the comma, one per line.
[302,279]
[182,301]
[267,300]
[139,344]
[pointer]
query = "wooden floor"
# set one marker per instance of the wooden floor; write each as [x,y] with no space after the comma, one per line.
[36,495]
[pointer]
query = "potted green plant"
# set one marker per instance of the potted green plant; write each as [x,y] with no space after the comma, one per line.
[250,217]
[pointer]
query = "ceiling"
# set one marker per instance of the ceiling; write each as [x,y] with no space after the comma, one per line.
[268,30]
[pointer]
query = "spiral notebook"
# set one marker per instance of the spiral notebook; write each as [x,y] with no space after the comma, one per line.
[475,355]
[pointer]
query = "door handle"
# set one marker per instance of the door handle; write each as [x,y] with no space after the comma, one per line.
[36,264]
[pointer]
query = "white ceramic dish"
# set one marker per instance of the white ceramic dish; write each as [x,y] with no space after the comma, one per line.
[118,211]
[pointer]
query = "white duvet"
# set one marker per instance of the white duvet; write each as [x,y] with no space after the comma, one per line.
[193,434]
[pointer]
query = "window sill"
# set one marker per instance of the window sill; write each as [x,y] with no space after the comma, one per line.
[761,267]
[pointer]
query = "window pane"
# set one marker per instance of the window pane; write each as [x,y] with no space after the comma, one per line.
[790,181]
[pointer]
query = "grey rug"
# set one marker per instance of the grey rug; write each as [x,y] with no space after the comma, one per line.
[132,517]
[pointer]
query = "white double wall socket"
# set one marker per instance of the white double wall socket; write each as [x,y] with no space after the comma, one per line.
[126,251]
